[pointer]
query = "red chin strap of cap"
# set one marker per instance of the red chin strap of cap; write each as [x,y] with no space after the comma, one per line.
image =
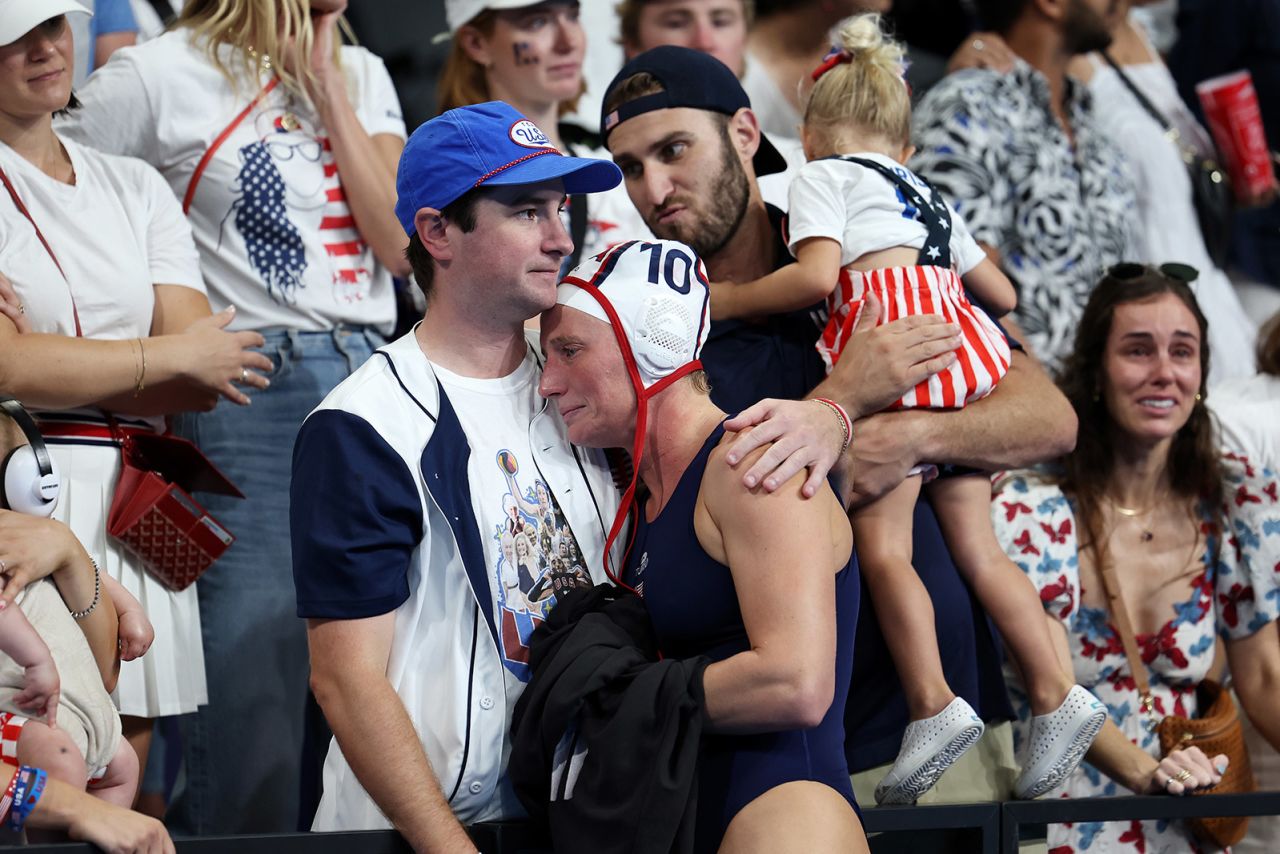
[642,421]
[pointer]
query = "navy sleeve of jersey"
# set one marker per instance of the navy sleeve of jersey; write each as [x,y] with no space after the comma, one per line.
[355,518]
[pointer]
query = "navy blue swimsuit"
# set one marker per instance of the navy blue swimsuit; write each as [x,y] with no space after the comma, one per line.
[694,608]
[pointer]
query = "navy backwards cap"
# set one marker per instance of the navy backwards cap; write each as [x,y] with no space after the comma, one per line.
[488,144]
[693,79]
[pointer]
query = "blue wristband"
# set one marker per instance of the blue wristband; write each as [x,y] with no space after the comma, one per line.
[19,795]
[36,781]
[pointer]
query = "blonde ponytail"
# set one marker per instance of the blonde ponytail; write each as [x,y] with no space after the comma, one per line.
[862,84]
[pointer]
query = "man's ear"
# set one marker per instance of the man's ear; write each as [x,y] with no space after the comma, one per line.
[744,133]
[433,231]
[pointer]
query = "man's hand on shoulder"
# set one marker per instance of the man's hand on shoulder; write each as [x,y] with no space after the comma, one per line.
[804,435]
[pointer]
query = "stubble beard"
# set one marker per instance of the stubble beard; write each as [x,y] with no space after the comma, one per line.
[1084,30]
[720,214]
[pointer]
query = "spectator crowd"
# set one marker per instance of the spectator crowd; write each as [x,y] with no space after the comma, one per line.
[682,424]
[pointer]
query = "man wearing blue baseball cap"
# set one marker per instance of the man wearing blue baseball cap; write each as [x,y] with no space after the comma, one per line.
[430,488]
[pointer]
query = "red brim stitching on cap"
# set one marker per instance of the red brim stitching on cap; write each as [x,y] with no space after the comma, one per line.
[518,160]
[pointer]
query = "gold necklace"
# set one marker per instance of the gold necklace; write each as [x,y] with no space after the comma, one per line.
[1133,513]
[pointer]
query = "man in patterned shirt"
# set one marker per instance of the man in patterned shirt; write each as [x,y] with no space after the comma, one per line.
[1018,155]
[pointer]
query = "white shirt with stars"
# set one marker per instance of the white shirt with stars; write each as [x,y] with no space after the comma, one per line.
[864,212]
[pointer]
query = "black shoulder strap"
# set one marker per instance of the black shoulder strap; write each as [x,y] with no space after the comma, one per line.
[577,227]
[1137,93]
[163,11]
[931,213]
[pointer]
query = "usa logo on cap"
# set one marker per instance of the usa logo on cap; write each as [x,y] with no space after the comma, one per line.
[529,135]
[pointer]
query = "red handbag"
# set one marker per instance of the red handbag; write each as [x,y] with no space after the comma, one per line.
[153,513]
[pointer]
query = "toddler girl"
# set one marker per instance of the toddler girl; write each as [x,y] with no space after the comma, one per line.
[862,223]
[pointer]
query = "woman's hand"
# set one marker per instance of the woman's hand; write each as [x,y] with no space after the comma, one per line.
[324,23]
[1183,771]
[32,548]
[217,360]
[982,50]
[12,307]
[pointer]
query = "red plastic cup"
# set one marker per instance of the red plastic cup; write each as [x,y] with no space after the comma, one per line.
[1235,120]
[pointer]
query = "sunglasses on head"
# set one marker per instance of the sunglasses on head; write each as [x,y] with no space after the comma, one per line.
[1128,270]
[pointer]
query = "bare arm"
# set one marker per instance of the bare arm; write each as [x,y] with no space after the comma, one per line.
[879,364]
[1025,421]
[133,630]
[786,679]
[40,684]
[33,548]
[349,677]
[812,277]
[61,372]
[1115,755]
[88,819]
[75,581]
[992,287]
[1254,662]
[367,164]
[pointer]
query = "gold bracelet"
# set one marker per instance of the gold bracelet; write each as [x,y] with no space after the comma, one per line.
[143,375]
[137,367]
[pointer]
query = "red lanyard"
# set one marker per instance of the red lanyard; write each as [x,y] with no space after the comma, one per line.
[22,209]
[221,138]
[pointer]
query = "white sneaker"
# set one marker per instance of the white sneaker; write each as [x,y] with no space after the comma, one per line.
[1058,741]
[929,747]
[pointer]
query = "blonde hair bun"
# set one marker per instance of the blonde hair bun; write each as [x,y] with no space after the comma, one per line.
[863,38]
[864,88]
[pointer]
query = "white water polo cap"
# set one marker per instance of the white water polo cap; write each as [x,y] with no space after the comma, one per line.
[655,296]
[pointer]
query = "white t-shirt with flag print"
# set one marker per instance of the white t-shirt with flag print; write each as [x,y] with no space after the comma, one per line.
[276,236]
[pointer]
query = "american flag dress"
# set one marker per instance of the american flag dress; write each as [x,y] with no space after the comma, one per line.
[930,287]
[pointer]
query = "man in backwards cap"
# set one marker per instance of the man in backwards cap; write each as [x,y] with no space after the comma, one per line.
[690,148]
[404,479]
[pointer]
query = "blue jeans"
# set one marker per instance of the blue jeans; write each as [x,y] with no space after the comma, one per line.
[242,750]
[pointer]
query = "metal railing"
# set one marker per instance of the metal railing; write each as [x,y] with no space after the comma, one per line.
[1027,819]
[983,828]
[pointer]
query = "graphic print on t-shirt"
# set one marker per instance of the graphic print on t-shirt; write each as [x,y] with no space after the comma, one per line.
[539,559]
[287,173]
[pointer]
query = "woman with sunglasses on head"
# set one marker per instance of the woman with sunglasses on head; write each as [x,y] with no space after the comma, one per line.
[282,145]
[1149,510]
[104,311]
[529,54]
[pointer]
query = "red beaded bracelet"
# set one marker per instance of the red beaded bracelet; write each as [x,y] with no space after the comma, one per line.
[845,424]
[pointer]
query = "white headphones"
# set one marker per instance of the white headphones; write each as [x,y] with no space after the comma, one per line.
[28,473]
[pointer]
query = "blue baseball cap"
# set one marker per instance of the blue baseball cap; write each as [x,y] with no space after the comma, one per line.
[487,144]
